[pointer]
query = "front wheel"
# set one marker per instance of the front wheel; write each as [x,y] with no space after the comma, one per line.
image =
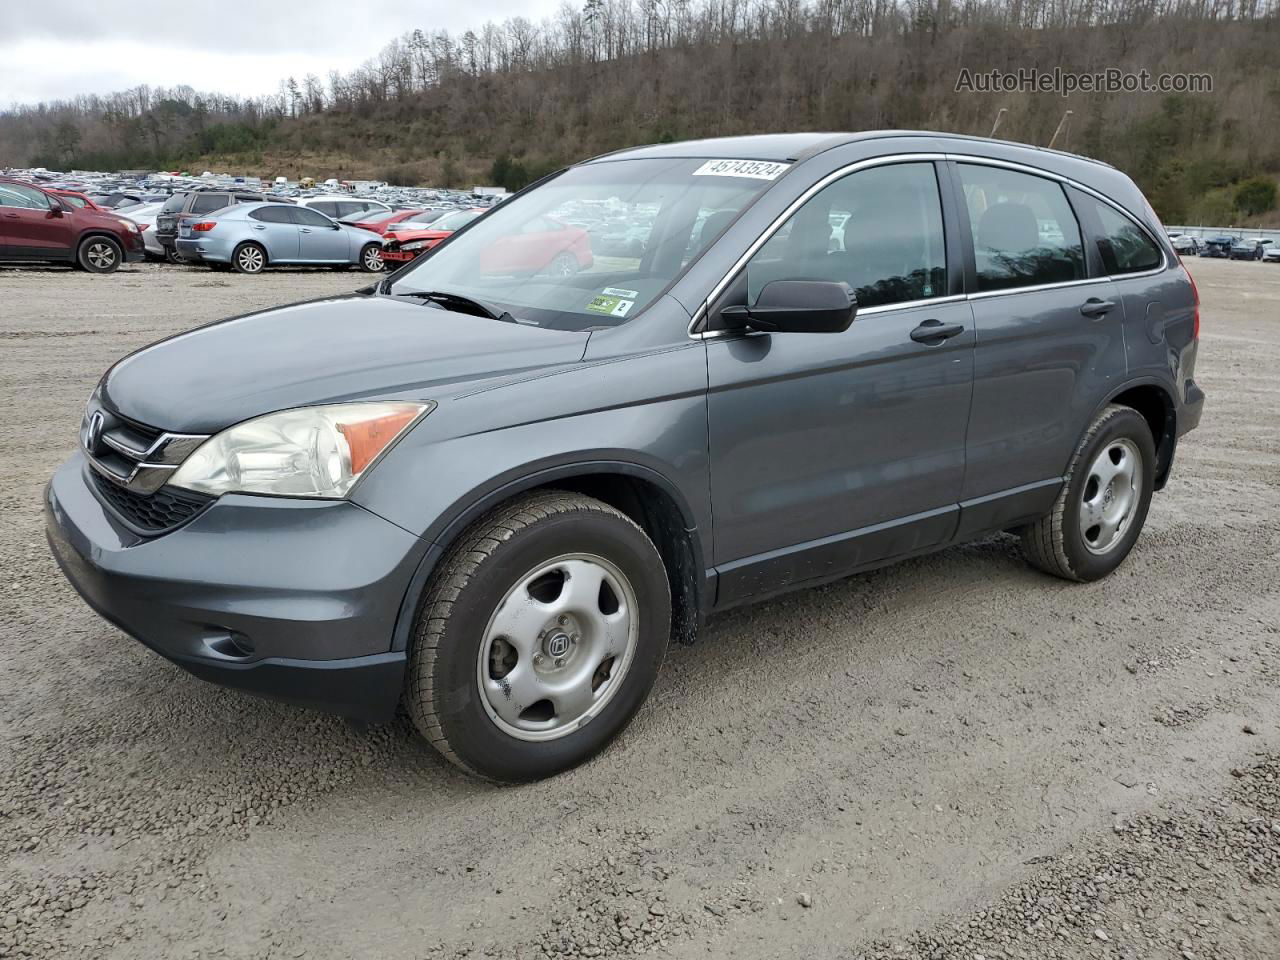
[371,258]
[99,255]
[540,637]
[1098,515]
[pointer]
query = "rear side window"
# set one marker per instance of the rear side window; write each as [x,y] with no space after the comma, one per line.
[1024,232]
[1124,246]
[271,215]
[208,202]
[877,230]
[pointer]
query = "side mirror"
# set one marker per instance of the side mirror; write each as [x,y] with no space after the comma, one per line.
[797,306]
[56,208]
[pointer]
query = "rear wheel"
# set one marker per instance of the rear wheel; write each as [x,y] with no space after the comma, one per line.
[249,258]
[172,255]
[99,254]
[539,638]
[371,258]
[1100,512]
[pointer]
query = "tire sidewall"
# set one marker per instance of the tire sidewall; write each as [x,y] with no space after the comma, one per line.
[82,257]
[235,259]
[1124,423]
[364,252]
[472,734]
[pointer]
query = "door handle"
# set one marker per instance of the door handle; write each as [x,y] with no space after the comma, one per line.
[259,226]
[305,229]
[1095,309]
[933,332]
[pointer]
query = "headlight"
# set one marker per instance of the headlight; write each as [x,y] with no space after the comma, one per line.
[128,225]
[308,452]
[416,245]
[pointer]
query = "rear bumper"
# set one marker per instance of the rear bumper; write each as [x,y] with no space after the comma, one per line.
[288,599]
[209,251]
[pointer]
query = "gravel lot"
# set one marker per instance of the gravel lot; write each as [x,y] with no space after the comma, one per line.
[955,757]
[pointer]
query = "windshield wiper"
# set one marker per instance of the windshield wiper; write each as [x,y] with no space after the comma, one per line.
[456,300]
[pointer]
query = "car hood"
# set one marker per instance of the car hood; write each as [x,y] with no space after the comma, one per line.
[407,236]
[355,347]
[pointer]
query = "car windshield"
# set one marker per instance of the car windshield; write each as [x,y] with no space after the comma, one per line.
[594,246]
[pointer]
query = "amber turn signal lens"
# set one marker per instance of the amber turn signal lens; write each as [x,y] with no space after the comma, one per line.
[367,438]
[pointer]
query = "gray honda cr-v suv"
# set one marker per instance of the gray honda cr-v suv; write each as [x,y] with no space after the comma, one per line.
[494,491]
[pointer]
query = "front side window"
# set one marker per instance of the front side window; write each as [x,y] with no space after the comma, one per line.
[591,247]
[1124,246]
[18,195]
[1024,232]
[328,207]
[878,230]
[308,217]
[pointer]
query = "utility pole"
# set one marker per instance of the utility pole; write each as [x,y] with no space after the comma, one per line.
[1063,124]
[999,117]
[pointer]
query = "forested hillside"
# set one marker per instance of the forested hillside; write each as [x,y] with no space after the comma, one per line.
[510,101]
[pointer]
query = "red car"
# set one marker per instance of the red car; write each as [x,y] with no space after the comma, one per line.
[543,245]
[379,220]
[75,198]
[406,245]
[38,225]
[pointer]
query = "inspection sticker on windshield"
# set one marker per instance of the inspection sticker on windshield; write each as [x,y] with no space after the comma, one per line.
[613,302]
[755,169]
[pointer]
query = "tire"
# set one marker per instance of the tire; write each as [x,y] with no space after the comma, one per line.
[371,259]
[172,255]
[249,258]
[456,691]
[1065,542]
[99,254]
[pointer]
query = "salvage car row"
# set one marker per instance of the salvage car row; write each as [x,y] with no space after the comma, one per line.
[225,227]
[1226,247]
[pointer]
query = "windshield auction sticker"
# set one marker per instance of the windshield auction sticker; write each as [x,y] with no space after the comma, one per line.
[613,302]
[755,169]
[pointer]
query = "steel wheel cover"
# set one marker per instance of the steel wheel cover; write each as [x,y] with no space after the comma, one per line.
[1112,489]
[558,647]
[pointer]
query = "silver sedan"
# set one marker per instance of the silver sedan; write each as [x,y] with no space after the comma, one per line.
[249,237]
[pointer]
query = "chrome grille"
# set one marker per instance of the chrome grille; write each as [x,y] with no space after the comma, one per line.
[133,458]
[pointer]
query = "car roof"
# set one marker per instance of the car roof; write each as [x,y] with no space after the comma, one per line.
[791,147]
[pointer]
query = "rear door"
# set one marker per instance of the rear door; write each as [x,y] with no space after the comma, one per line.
[1050,340]
[274,227]
[320,240]
[833,451]
[32,229]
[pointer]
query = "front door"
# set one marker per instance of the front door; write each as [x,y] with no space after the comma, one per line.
[834,451]
[30,228]
[320,240]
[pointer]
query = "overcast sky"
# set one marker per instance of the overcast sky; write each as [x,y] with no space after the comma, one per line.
[96,46]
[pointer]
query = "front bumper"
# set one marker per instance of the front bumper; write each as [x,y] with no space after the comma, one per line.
[295,600]
[401,256]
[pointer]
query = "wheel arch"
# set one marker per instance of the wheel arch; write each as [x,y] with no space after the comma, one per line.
[640,492]
[1154,401]
[250,242]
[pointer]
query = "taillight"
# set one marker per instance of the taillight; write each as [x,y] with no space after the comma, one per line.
[143,226]
[1195,319]
[204,225]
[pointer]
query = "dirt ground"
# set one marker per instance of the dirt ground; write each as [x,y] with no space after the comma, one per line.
[954,757]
